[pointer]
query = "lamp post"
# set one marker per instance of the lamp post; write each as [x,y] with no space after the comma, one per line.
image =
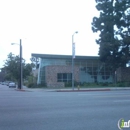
[20,64]
[73,56]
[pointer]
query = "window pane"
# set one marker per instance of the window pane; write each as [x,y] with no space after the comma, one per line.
[59,80]
[64,80]
[64,76]
[69,76]
[59,76]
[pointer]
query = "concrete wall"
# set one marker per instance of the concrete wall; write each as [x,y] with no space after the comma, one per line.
[51,74]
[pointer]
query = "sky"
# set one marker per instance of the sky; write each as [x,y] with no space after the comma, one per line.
[46,27]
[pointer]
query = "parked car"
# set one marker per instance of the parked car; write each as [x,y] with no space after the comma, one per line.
[6,83]
[3,83]
[12,85]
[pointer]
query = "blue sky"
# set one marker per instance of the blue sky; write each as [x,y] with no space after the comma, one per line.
[46,26]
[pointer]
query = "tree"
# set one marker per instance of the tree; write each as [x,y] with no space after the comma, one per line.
[2,74]
[113,24]
[12,68]
[124,29]
[35,62]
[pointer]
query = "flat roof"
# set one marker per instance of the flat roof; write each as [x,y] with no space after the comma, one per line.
[56,56]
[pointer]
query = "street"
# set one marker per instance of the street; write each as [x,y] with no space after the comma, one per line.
[42,110]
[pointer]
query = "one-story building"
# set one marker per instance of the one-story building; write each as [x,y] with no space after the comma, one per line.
[56,70]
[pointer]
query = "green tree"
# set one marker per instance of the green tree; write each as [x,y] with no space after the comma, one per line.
[113,26]
[12,68]
[123,10]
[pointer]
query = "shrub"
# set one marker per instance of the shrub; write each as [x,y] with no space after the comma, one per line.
[31,85]
[42,85]
[68,84]
[123,84]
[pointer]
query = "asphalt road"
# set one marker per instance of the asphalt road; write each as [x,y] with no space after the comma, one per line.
[41,110]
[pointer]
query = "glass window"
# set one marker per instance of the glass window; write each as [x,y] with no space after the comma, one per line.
[69,76]
[59,76]
[77,63]
[68,62]
[83,63]
[64,77]
[89,70]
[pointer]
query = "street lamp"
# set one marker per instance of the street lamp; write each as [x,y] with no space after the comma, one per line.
[20,70]
[73,56]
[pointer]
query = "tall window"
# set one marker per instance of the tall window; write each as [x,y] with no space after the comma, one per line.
[64,77]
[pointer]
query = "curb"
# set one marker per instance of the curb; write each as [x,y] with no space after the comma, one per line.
[83,90]
[22,90]
[75,90]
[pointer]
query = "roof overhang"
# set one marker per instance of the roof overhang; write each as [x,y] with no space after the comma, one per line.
[55,56]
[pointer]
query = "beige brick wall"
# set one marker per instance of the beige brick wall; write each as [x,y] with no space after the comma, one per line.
[51,74]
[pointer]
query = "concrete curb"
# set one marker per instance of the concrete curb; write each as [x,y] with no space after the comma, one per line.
[83,90]
[23,90]
[20,90]
[93,89]
[70,90]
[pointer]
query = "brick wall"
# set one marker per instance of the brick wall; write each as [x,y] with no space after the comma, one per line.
[51,74]
[123,74]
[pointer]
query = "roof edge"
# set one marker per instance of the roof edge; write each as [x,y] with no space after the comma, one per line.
[62,56]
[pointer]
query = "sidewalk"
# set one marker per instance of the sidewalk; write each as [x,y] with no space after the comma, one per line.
[71,90]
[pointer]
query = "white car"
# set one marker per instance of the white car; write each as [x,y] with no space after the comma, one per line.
[5,83]
[12,85]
